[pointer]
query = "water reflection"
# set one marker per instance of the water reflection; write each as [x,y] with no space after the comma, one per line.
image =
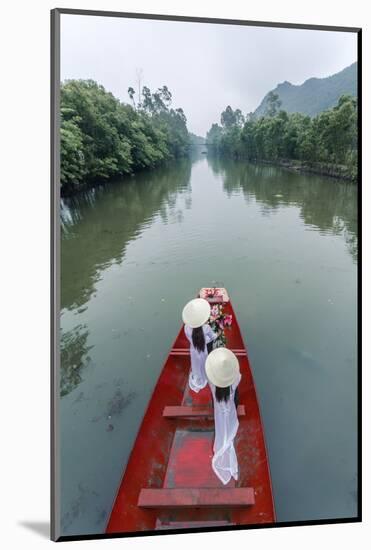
[74,357]
[325,204]
[298,319]
[93,238]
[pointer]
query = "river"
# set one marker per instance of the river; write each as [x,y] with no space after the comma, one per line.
[133,252]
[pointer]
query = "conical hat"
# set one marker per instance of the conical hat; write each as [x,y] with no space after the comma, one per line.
[222,367]
[196,312]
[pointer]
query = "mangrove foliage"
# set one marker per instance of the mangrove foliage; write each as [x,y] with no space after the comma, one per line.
[103,138]
[326,143]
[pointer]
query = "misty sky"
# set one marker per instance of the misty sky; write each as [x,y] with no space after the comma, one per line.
[205,66]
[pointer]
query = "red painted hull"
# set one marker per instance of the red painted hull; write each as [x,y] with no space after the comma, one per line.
[176,453]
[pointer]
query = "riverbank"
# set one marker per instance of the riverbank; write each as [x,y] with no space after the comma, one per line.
[325,144]
[153,172]
[68,191]
[336,171]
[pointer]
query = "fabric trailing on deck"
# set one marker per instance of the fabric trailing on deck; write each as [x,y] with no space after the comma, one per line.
[224,461]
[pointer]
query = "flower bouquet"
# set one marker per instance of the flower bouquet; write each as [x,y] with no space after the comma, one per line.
[213,295]
[218,321]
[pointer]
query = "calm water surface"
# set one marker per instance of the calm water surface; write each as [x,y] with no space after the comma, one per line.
[133,252]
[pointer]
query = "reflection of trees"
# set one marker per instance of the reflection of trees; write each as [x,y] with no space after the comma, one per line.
[196,155]
[327,204]
[74,357]
[97,225]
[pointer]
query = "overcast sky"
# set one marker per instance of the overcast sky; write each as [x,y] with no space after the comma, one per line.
[205,66]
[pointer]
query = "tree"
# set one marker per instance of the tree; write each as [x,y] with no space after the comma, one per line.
[131,93]
[214,135]
[102,138]
[239,118]
[228,118]
[73,167]
[273,104]
[147,102]
[330,137]
[165,96]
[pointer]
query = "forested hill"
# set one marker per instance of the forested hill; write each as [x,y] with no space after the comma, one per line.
[315,94]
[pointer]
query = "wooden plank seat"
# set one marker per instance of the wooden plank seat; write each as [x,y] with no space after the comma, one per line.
[210,497]
[164,525]
[185,351]
[180,411]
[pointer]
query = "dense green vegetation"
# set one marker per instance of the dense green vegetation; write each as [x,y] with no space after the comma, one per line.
[102,138]
[315,94]
[326,143]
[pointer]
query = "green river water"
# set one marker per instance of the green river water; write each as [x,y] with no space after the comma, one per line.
[135,251]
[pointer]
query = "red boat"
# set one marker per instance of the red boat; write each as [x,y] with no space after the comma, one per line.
[169,482]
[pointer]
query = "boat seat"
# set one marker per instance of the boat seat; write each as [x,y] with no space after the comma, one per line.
[164,525]
[210,497]
[180,351]
[194,412]
[240,352]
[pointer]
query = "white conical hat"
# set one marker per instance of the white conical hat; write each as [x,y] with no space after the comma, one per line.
[196,312]
[222,367]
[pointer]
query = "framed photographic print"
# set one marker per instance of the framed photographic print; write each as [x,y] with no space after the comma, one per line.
[206,191]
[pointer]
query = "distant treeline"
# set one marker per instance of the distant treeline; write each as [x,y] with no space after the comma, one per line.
[102,138]
[196,141]
[326,143]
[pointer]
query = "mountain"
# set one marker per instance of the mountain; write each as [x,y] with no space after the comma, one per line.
[315,94]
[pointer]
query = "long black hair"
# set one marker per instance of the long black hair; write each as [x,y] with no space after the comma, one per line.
[198,338]
[222,394]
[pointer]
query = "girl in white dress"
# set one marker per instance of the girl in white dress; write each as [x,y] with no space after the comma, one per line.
[195,316]
[223,372]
